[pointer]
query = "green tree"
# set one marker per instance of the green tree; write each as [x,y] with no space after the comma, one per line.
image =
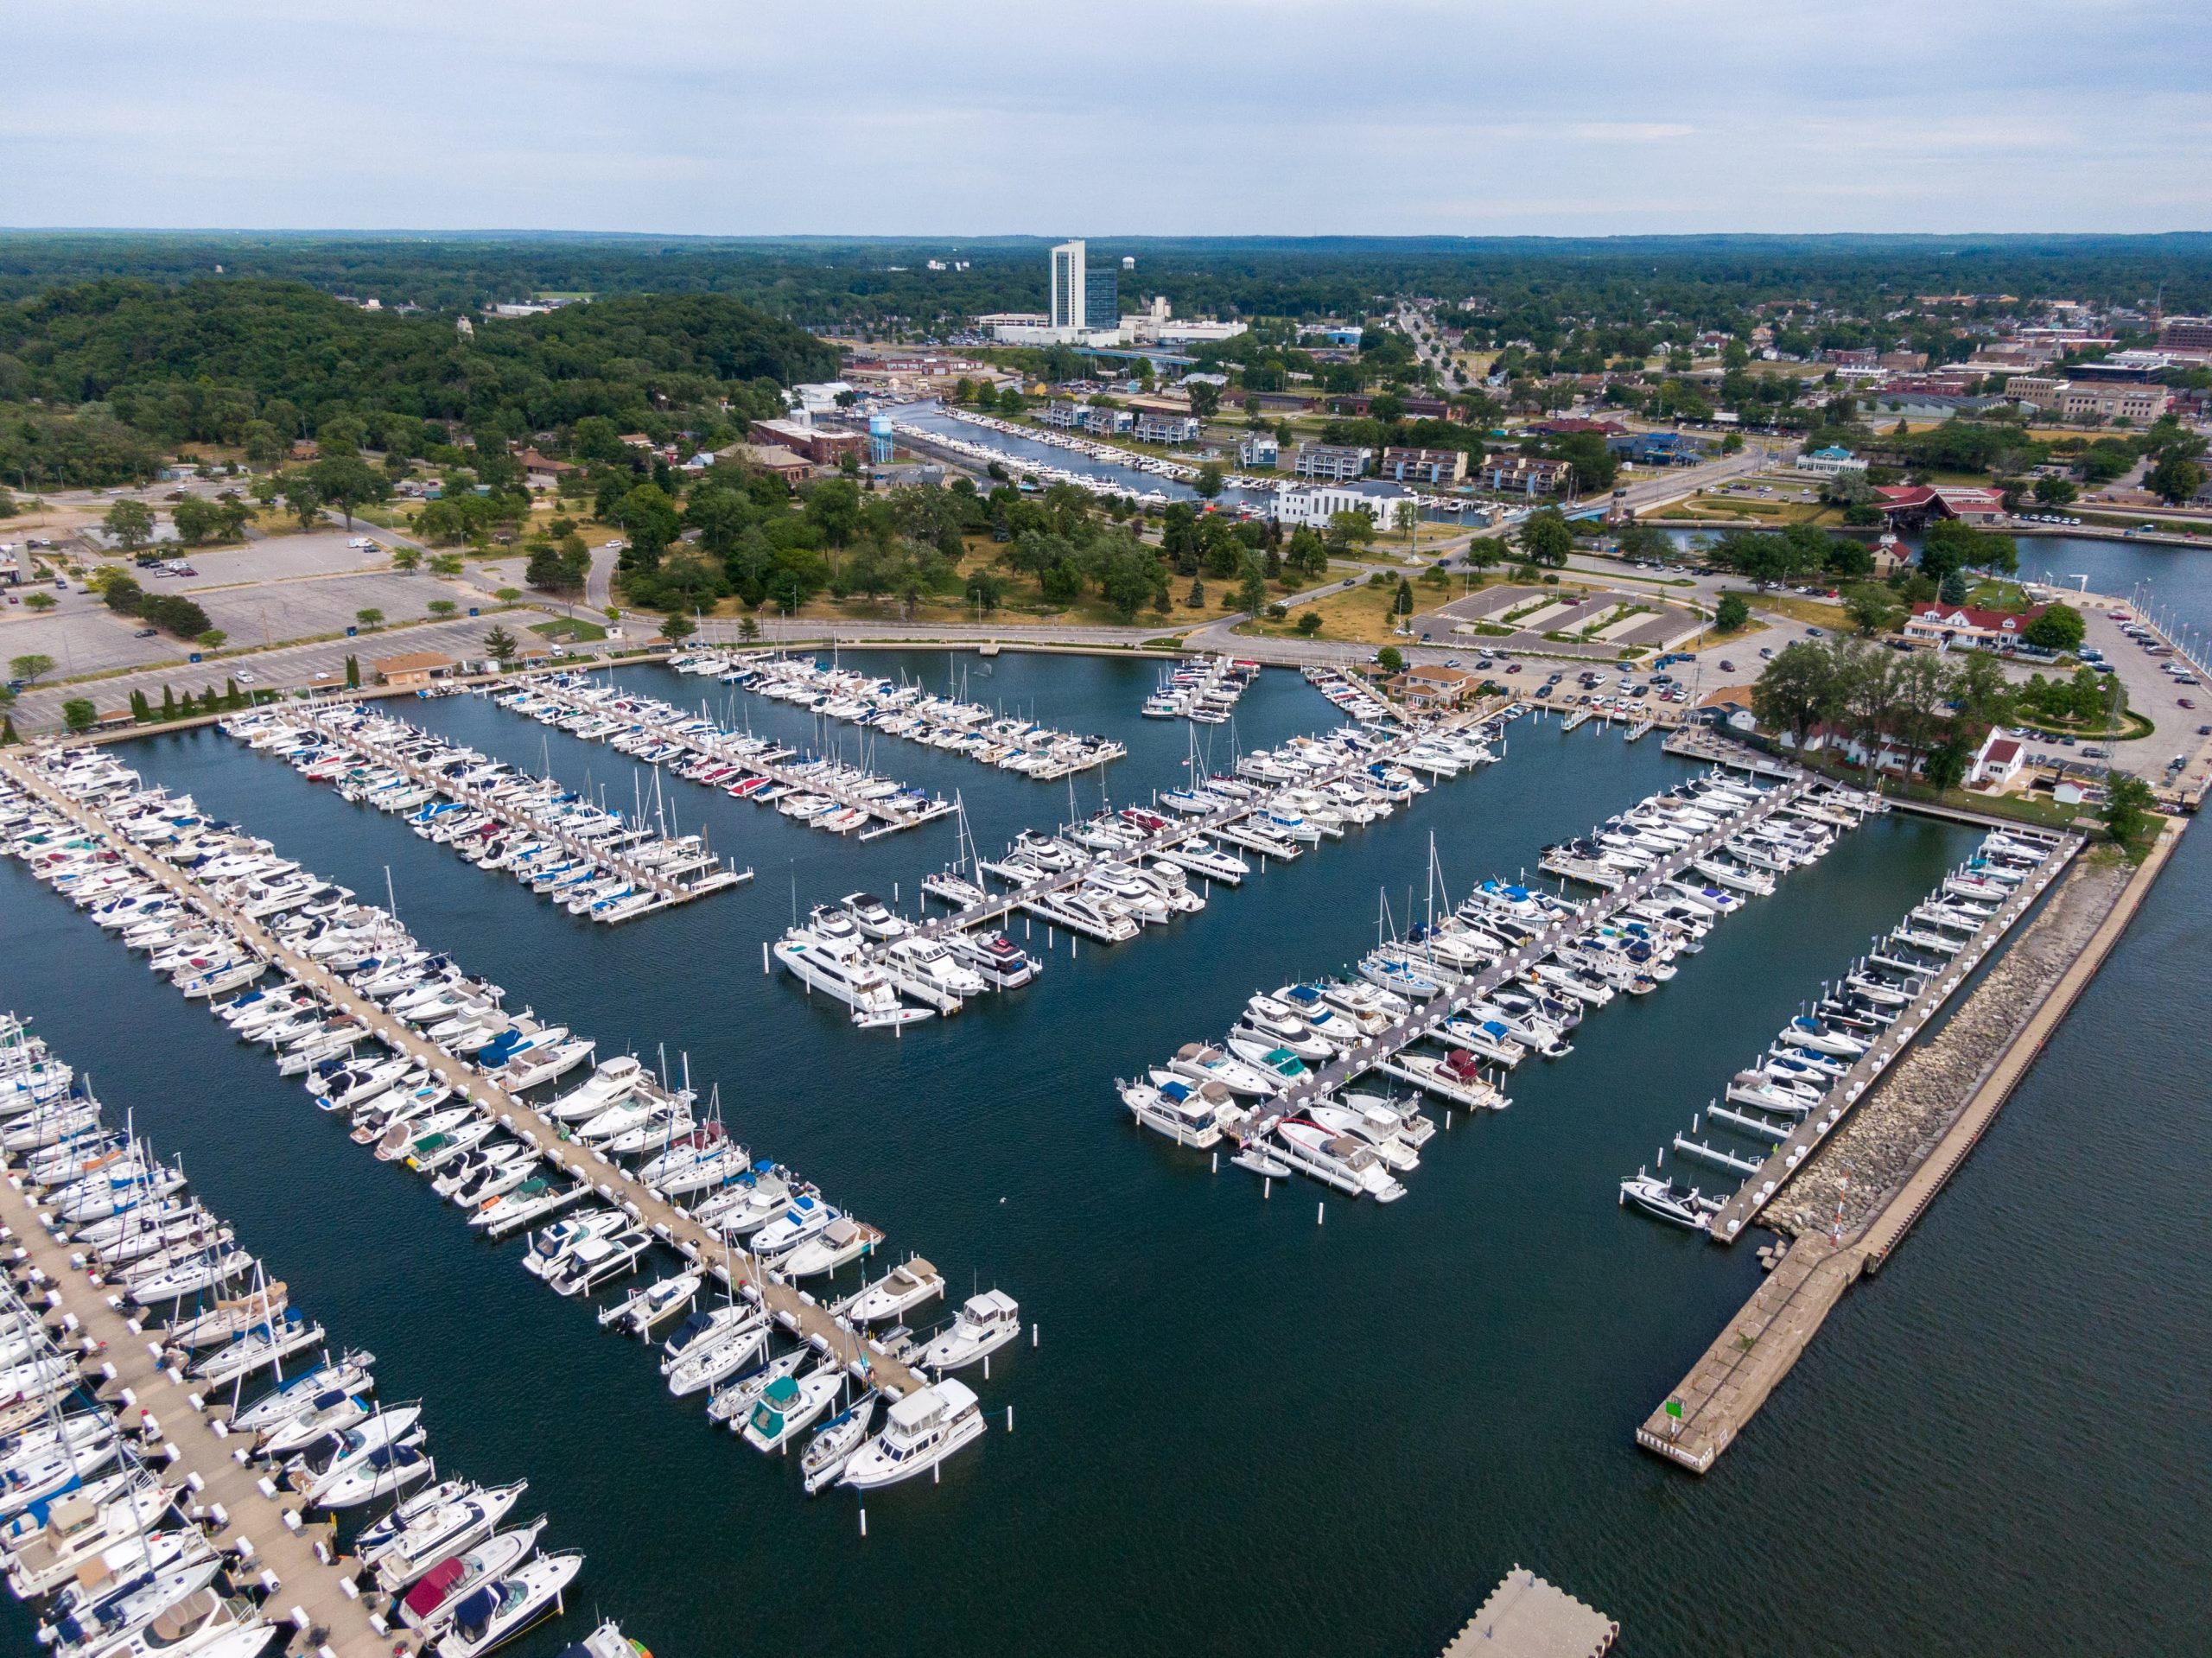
[1252,587]
[648,517]
[302,496]
[130,525]
[1945,765]
[79,713]
[747,629]
[501,645]
[1545,539]
[2053,491]
[1401,603]
[212,639]
[1209,481]
[370,617]
[1205,400]
[2060,628]
[1390,659]
[675,628]
[140,709]
[1797,690]
[7,737]
[2176,479]
[348,482]
[442,609]
[1348,533]
[40,600]
[1731,615]
[1309,621]
[2128,803]
[1872,607]
[352,672]
[1196,598]
[30,668]
[1954,588]
[405,559]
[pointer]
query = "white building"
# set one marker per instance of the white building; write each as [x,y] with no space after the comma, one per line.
[1316,504]
[1069,281]
[1830,462]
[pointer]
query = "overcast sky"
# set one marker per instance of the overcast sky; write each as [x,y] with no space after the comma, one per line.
[1224,117]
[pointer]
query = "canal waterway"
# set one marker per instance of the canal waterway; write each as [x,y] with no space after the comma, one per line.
[1242,1431]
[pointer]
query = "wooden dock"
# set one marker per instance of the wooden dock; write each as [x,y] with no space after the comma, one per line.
[886,819]
[665,891]
[1758,1190]
[1179,833]
[1527,1618]
[797,1311]
[1425,1019]
[312,1584]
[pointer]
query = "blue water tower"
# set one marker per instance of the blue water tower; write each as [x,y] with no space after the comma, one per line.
[879,445]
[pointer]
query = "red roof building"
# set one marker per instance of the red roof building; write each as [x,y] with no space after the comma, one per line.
[1940,624]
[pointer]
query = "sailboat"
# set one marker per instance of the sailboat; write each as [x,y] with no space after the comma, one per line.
[959,884]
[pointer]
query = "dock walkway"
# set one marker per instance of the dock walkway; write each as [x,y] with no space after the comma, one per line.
[1425,1019]
[665,891]
[887,817]
[307,1580]
[1527,1618]
[1180,832]
[797,1311]
[1759,1189]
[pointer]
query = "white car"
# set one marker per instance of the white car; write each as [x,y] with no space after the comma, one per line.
[246,677]
[363,544]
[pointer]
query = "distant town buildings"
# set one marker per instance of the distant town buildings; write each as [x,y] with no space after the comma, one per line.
[1086,311]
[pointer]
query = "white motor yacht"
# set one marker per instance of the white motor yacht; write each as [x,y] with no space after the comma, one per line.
[920,1431]
[986,1323]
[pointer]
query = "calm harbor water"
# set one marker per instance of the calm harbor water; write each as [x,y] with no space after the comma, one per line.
[1242,1431]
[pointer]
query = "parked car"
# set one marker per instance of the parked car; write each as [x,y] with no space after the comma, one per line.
[2184,703]
[1512,667]
[244,677]
[1728,667]
[142,634]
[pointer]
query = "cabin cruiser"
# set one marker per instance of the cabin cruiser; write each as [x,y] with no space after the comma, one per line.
[788,1404]
[1670,1200]
[429,1605]
[994,958]
[460,1518]
[713,1344]
[1336,1160]
[986,1323]
[897,1292]
[920,1431]
[502,1610]
[874,918]
[1196,1063]
[1188,1113]
[837,968]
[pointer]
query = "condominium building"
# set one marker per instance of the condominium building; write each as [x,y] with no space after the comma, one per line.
[1439,467]
[1330,461]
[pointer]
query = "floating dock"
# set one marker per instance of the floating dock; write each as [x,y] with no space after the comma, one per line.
[643,713]
[1527,1618]
[314,1588]
[798,1312]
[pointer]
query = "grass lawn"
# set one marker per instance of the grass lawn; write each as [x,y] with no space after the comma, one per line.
[1360,616]
[576,630]
[1813,612]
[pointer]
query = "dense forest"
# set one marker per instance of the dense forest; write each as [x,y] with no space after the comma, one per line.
[97,380]
[1708,281]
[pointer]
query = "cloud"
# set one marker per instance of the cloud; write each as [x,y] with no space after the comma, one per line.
[1195,117]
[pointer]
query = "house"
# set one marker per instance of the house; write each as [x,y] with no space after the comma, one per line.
[1997,761]
[1437,466]
[1330,461]
[1830,462]
[1730,709]
[1661,448]
[1317,503]
[1427,689]
[415,668]
[305,449]
[1574,426]
[1258,449]
[1098,421]
[541,471]
[1942,626]
[1154,427]
[1907,506]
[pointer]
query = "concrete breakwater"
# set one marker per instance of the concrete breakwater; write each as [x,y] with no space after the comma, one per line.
[1850,1203]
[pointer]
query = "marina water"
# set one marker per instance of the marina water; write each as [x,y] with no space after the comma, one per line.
[1242,1430]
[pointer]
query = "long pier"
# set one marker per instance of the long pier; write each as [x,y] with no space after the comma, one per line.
[636,710]
[797,1311]
[1759,1189]
[666,891]
[314,1586]
[1428,1017]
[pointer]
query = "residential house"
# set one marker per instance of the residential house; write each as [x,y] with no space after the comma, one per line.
[1942,625]
[1258,449]
[542,471]
[1997,761]
[1424,688]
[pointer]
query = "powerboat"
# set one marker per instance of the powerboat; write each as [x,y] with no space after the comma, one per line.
[919,1432]
[986,1323]
[898,1291]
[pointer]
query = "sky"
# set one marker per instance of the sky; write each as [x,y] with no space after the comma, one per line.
[1200,116]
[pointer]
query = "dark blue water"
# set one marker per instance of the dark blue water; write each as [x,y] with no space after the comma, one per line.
[1245,1432]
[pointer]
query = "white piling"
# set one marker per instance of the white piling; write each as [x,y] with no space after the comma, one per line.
[1216,1169]
[1009,1418]
[1320,1212]
[1267,1187]
[863,1522]
[763,957]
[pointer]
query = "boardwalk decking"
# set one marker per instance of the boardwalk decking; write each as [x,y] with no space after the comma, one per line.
[797,1311]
